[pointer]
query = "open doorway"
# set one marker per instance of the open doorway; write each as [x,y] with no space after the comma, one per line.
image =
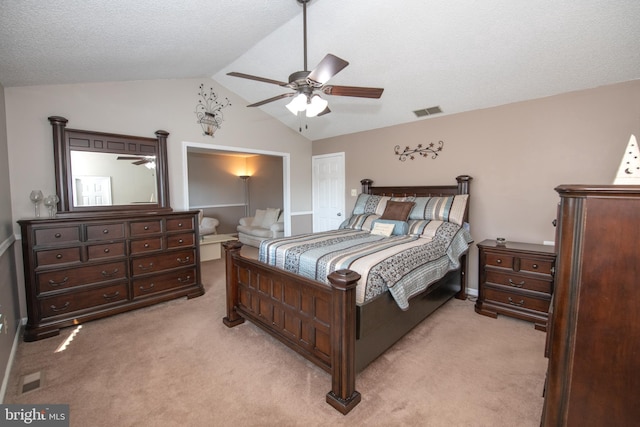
[214,183]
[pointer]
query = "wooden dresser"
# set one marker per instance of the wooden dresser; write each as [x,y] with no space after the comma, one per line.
[516,279]
[593,342]
[83,268]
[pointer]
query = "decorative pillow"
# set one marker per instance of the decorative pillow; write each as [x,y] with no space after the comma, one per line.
[424,228]
[400,228]
[258,218]
[444,208]
[360,222]
[382,228]
[270,217]
[368,203]
[397,211]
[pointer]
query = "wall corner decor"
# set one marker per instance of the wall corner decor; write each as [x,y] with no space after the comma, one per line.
[409,153]
[209,111]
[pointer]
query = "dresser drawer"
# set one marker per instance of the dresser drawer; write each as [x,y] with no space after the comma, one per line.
[180,240]
[58,256]
[62,279]
[179,224]
[106,250]
[517,300]
[62,305]
[146,245]
[46,236]
[155,284]
[520,282]
[542,266]
[500,260]
[105,231]
[165,261]
[141,228]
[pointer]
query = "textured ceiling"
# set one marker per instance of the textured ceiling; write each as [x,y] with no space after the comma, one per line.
[459,55]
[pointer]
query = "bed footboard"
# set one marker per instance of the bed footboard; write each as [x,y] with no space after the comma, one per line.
[317,321]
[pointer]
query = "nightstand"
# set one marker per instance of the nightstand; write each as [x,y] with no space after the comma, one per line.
[516,279]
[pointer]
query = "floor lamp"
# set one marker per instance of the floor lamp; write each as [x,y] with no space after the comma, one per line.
[245,183]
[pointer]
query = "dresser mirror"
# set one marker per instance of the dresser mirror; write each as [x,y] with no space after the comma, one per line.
[104,172]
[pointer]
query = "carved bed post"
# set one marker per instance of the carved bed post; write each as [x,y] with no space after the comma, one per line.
[366,185]
[463,188]
[343,395]
[232,319]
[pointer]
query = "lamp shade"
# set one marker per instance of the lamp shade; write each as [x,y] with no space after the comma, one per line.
[316,106]
[298,103]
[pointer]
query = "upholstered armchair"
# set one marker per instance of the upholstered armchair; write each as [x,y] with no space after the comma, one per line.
[207,225]
[265,224]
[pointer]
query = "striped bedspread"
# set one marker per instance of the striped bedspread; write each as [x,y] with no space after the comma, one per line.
[405,265]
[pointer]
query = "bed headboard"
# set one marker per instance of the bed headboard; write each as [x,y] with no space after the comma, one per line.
[420,190]
[462,187]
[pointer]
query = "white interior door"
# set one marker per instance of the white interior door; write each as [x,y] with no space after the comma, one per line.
[92,191]
[328,191]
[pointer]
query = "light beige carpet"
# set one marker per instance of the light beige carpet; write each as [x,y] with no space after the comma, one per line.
[176,364]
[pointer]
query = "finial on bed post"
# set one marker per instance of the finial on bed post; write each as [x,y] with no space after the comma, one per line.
[463,183]
[343,395]
[232,318]
[366,185]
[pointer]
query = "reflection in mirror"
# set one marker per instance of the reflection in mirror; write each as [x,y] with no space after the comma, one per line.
[107,179]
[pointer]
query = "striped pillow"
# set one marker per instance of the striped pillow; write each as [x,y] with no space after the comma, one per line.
[444,208]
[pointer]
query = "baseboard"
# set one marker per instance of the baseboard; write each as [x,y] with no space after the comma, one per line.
[14,349]
[472,292]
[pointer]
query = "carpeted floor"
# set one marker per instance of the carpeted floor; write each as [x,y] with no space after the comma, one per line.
[176,364]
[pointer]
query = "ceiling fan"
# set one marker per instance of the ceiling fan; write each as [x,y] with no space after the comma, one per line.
[305,83]
[139,160]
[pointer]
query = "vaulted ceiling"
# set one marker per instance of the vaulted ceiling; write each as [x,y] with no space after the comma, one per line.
[458,55]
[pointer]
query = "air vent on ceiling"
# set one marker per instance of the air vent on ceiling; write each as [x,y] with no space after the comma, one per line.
[428,111]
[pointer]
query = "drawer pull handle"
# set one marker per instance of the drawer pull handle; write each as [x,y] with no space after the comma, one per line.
[54,284]
[58,235]
[143,289]
[116,294]
[180,241]
[535,266]
[106,250]
[64,307]
[519,303]
[179,224]
[142,267]
[146,227]
[517,285]
[59,256]
[105,231]
[184,261]
[498,261]
[106,274]
[146,245]
[185,280]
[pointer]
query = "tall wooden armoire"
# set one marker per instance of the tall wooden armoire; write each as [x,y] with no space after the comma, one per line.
[593,341]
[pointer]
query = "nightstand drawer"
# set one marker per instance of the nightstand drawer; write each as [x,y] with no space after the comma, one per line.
[542,266]
[500,260]
[519,282]
[518,301]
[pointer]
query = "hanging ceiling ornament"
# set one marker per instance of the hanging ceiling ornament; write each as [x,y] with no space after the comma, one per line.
[209,111]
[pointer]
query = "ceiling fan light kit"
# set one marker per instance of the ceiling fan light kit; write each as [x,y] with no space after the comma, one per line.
[305,82]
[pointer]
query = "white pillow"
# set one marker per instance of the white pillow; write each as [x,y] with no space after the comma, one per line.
[382,229]
[258,219]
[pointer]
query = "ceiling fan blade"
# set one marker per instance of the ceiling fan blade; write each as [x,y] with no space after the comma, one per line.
[260,79]
[129,158]
[275,98]
[141,162]
[323,112]
[360,92]
[327,68]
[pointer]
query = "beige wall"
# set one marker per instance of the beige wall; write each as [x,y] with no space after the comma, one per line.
[9,283]
[139,108]
[515,153]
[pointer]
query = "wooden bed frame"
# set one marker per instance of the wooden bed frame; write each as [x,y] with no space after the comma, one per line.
[323,323]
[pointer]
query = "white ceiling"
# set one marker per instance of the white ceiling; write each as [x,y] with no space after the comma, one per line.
[459,55]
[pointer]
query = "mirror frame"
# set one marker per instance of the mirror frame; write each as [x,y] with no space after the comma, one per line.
[66,140]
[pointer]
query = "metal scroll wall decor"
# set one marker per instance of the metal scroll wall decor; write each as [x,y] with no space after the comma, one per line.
[432,150]
[209,111]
